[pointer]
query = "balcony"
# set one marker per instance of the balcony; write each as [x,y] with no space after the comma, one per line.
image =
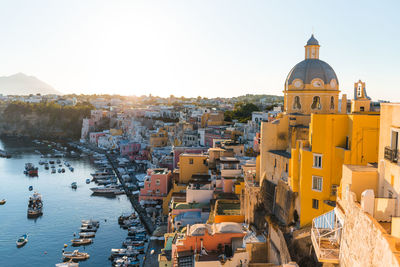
[325,236]
[391,154]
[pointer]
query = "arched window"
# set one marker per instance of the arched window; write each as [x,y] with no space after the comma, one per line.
[296,103]
[332,102]
[316,103]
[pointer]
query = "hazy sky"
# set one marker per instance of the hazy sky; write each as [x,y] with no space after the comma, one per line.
[208,48]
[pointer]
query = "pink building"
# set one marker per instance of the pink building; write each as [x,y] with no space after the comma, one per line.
[129,148]
[156,185]
[94,137]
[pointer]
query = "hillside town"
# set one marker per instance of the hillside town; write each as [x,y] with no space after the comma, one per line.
[309,181]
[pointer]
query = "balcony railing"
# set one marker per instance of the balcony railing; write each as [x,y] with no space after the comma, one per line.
[325,237]
[391,154]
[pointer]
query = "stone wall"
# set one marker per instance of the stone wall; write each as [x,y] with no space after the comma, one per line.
[364,241]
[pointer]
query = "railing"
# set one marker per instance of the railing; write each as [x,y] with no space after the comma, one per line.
[325,236]
[391,154]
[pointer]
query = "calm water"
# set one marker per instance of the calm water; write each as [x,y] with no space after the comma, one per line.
[63,209]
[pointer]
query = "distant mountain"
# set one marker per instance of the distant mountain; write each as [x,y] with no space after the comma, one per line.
[22,84]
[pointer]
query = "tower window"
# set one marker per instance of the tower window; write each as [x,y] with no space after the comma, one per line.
[332,102]
[296,103]
[317,183]
[316,103]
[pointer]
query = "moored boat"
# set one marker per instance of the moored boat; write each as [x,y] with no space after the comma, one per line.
[108,190]
[74,185]
[87,234]
[3,201]
[88,181]
[35,205]
[75,255]
[67,264]
[22,240]
[81,241]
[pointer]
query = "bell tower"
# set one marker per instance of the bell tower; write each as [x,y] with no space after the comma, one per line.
[361,101]
[312,48]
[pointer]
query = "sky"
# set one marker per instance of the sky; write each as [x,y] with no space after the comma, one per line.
[196,48]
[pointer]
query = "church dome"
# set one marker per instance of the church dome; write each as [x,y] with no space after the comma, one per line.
[309,69]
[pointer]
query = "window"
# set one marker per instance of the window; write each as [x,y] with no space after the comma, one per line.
[205,162]
[334,188]
[158,191]
[317,162]
[315,203]
[296,103]
[390,194]
[317,183]
[347,142]
[361,109]
[394,140]
[316,103]
[148,185]
[286,167]
[275,164]
[190,161]
[158,182]
[332,102]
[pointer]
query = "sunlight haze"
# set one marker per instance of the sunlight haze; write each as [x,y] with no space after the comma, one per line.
[191,48]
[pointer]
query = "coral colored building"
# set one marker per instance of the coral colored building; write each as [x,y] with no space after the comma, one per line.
[156,185]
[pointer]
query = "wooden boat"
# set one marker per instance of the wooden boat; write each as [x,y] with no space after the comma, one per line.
[35,205]
[81,241]
[87,234]
[88,181]
[3,201]
[22,240]
[76,255]
[74,185]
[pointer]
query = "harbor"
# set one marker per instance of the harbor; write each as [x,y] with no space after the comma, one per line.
[63,210]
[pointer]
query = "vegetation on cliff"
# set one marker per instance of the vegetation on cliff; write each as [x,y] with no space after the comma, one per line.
[241,112]
[43,120]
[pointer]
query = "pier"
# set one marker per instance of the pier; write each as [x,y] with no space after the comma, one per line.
[147,223]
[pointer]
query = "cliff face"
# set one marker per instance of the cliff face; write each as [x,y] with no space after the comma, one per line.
[42,120]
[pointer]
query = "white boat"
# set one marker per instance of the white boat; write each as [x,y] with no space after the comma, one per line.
[108,190]
[91,222]
[76,255]
[67,264]
[22,240]
[88,228]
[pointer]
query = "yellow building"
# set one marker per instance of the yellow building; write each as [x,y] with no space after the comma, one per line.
[213,118]
[334,140]
[364,228]
[190,164]
[159,139]
[303,149]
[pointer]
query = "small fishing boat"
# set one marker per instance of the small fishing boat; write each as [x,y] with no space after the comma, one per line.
[2,202]
[71,168]
[88,181]
[35,205]
[91,222]
[87,234]
[59,170]
[53,170]
[75,255]
[88,228]
[58,161]
[22,240]
[67,264]
[74,185]
[126,261]
[62,170]
[81,241]
[30,188]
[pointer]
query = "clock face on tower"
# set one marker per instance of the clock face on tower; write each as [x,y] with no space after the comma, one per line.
[298,84]
[317,84]
[333,83]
